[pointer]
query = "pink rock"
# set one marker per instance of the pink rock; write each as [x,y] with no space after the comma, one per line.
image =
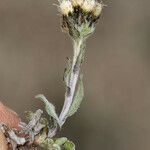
[9,117]
[3,142]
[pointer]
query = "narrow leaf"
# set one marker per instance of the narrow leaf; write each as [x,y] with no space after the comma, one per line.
[49,107]
[81,55]
[77,98]
[67,72]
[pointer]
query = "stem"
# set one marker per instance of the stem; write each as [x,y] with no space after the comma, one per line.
[72,82]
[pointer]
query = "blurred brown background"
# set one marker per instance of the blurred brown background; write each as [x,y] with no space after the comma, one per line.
[115,113]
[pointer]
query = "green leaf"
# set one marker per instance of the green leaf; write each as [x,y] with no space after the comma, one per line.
[73,31]
[60,141]
[82,53]
[56,147]
[29,115]
[49,107]
[86,30]
[47,143]
[44,121]
[77,98]
[41,138]
[67,72]
[69,145]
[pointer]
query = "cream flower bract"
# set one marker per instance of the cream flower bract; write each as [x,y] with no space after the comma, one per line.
[98,9]
[77,2]
[88,5]
[66,7]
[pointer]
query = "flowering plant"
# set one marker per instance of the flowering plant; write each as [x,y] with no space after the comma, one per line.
[78,19]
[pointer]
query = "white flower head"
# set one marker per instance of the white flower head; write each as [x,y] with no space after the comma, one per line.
[66,7]
[98,9]
[80,16]
[77,2]
[88,5]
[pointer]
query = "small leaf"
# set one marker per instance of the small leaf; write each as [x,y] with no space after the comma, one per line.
[82,53]
[77,98]
[29,115]
[47,144]
[73,31]
[69,145]
[86,30]
[67,72]
[40,139]
[81,56]
[60,141]
[49,107]
[56,147]
[44,121]
[35,119]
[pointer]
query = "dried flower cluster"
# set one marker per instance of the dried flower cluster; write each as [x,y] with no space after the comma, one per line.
[80,16]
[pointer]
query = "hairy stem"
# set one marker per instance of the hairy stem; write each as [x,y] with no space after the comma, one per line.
[74,75]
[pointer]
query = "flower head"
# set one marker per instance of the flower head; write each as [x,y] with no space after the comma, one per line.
[80,16]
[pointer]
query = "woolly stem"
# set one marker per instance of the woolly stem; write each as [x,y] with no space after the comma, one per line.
[74,75]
